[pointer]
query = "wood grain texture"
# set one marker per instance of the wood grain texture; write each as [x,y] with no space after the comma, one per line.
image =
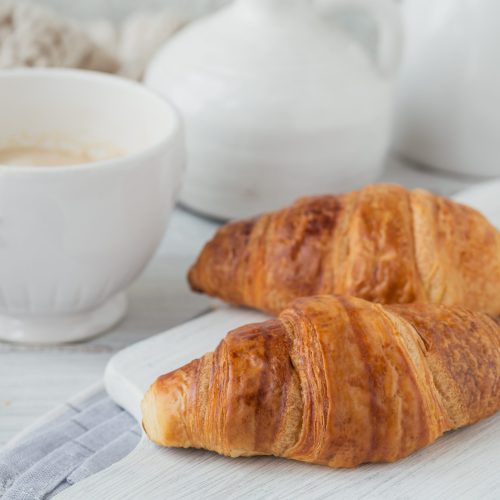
[461,465]
[157,473]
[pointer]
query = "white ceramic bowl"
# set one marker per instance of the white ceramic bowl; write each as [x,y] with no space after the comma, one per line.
[73,238]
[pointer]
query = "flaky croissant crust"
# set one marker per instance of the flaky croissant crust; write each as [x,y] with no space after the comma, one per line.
[334,380]
[382,243]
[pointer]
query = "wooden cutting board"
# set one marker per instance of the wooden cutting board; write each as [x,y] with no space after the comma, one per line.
[462,464]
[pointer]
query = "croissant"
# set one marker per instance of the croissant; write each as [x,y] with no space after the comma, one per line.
[383,243]
[334,380]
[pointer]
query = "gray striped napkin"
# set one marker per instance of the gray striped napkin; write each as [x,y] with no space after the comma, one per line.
[78,439]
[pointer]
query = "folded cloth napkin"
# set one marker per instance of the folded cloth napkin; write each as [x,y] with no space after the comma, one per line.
[83,436]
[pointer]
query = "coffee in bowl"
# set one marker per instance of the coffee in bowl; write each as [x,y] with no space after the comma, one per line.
[34,155]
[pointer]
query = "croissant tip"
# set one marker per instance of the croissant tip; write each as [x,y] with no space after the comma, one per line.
[165,404]
[150,421]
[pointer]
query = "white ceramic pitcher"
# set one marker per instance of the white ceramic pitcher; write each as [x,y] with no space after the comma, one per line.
[278,102]
[449,93]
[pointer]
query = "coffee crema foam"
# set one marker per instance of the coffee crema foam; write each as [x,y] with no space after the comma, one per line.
[49,157]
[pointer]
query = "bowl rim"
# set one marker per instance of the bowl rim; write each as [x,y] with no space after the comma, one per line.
[174,129]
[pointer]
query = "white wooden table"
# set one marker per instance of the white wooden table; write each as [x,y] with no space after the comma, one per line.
[35,379]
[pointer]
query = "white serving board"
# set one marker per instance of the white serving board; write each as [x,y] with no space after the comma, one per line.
[462,464]
[484,197]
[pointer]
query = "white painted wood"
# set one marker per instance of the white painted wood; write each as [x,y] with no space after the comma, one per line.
[438,472]
[462,464]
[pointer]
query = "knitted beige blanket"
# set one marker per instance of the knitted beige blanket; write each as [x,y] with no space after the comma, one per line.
[32,35]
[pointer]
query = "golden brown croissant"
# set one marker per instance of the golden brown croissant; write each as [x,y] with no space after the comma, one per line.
[336,381]
[383,243]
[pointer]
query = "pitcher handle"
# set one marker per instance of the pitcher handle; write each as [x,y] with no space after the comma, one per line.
[387,18]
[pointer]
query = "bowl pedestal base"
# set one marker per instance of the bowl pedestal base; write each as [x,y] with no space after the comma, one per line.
[64,328]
